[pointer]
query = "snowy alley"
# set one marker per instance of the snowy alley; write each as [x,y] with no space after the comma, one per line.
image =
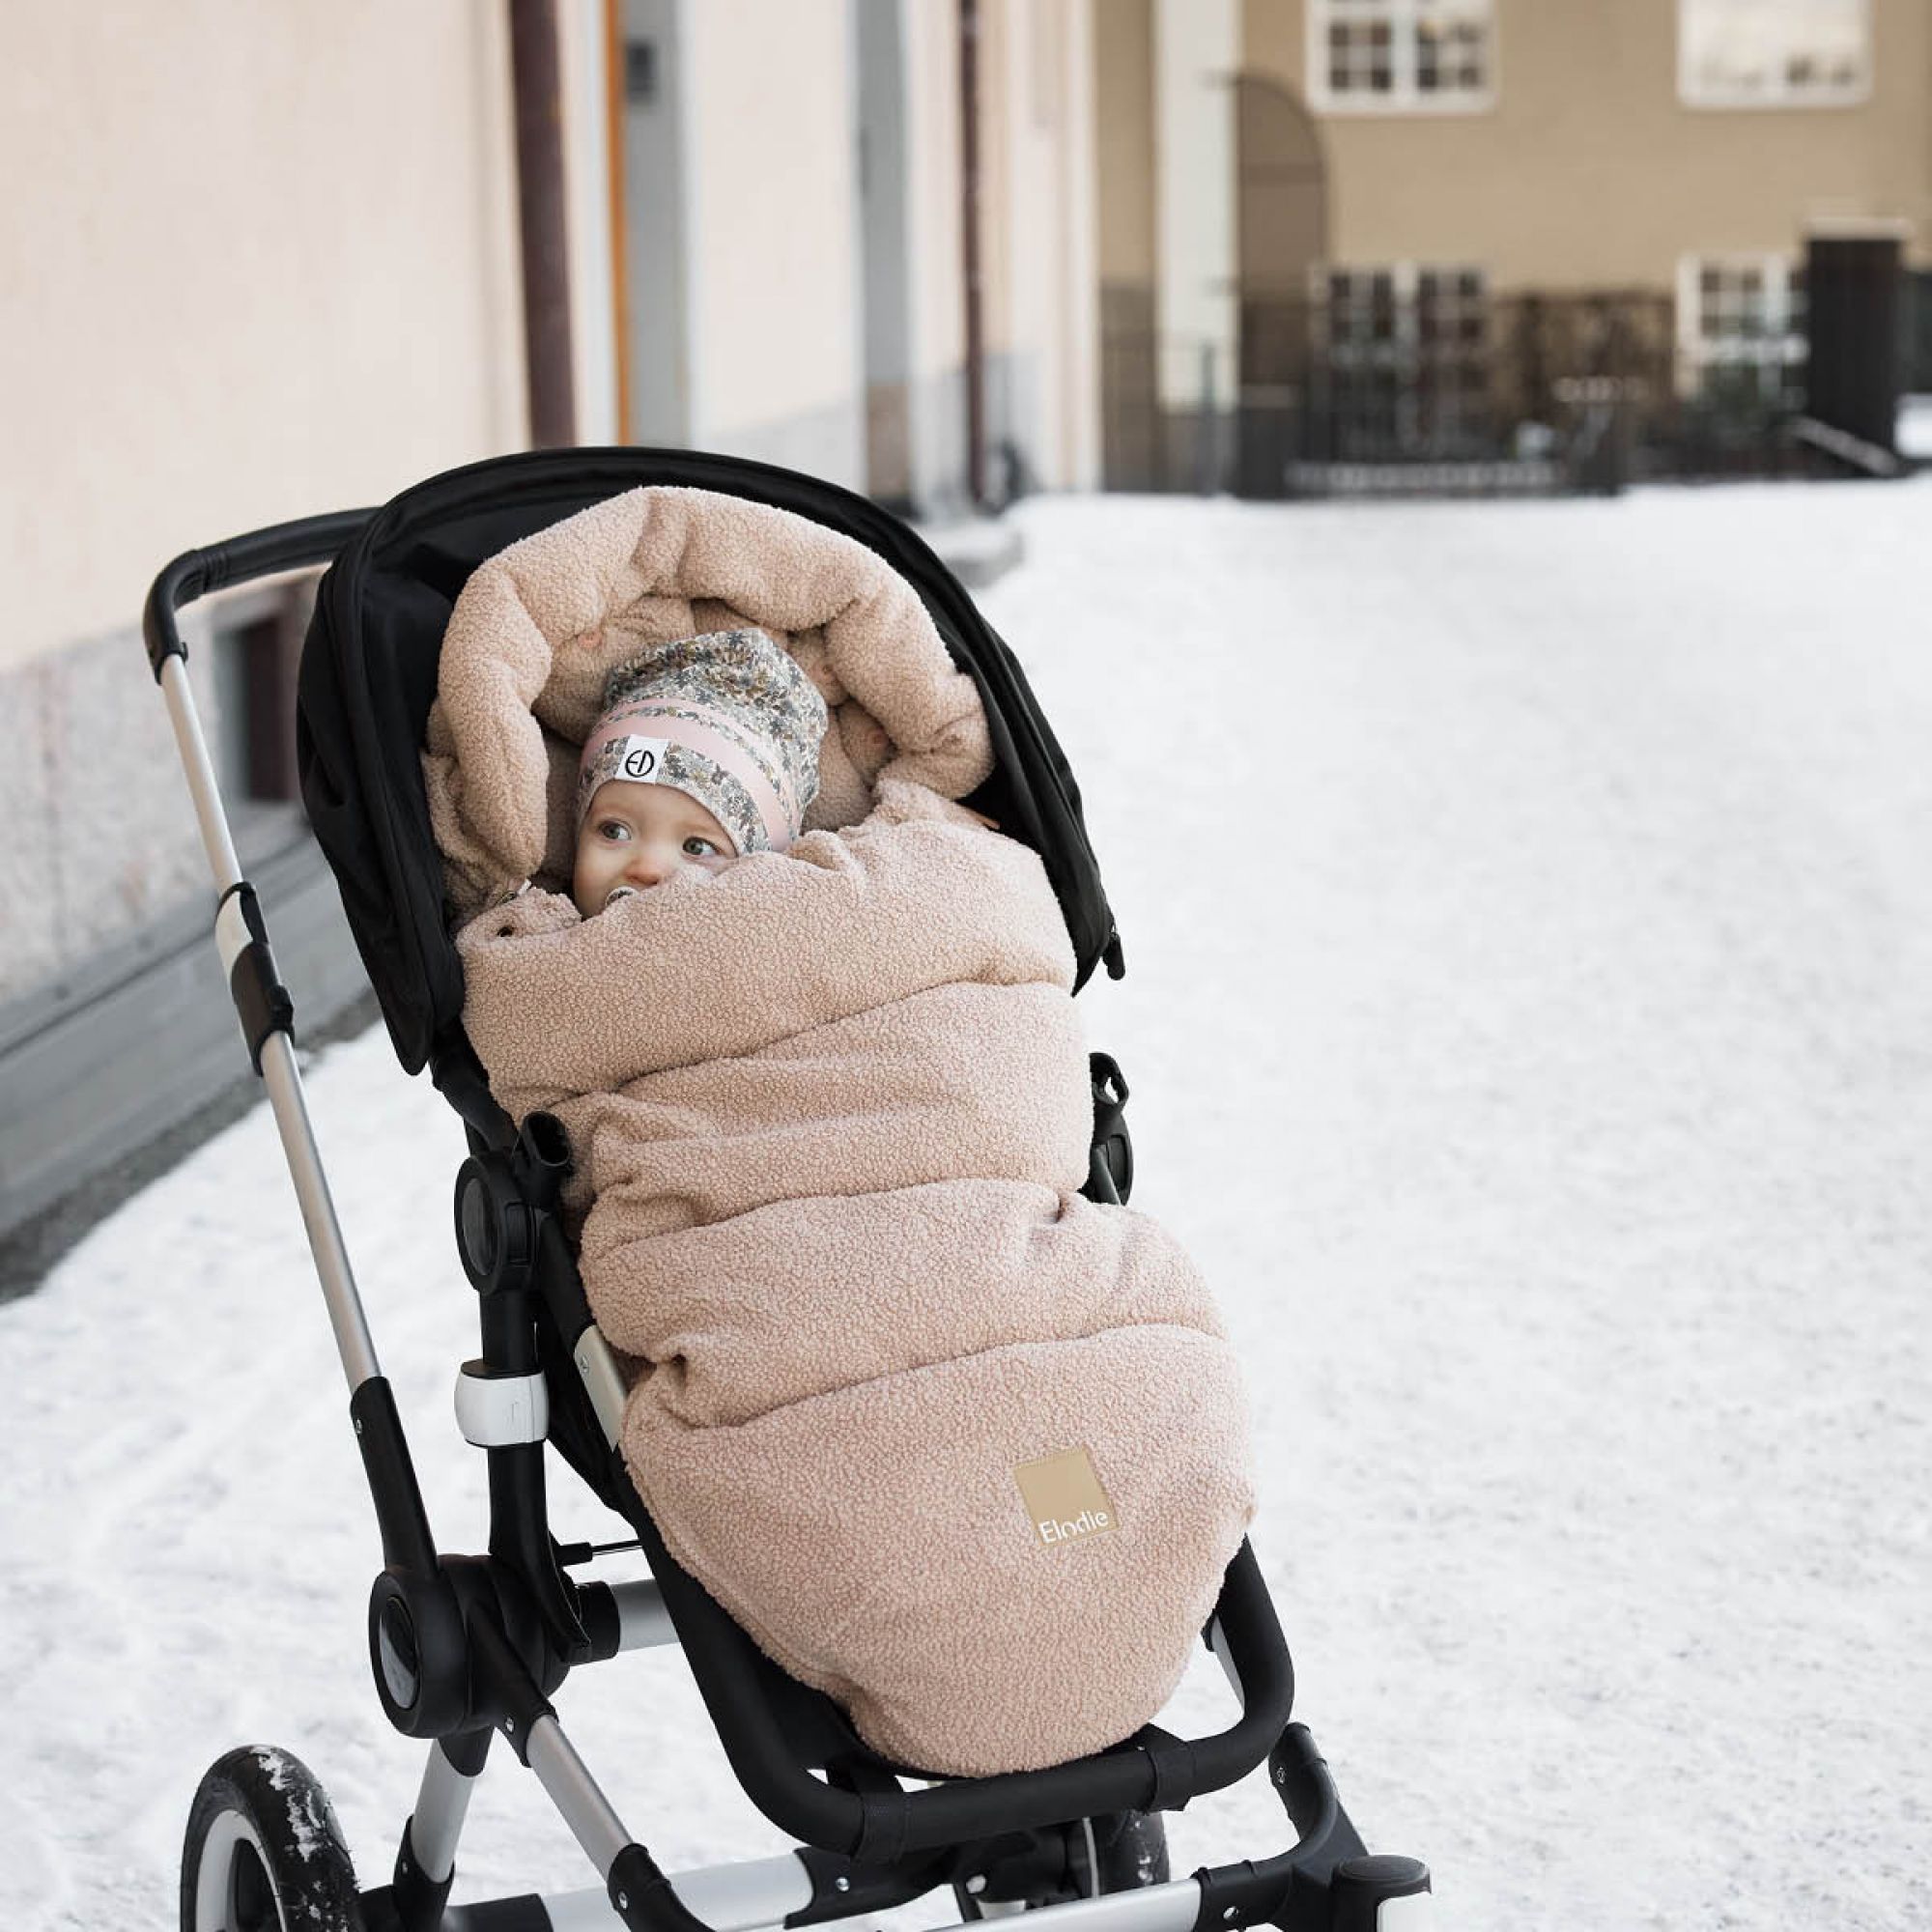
[1529,1026]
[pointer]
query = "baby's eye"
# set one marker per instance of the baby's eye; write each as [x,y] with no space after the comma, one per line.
[699,848]
[614,829]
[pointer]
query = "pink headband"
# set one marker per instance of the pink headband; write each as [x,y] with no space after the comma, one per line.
[645,735]
[727,718]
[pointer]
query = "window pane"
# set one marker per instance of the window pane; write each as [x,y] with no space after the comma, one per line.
[1402,52]
[1744,337]
[1452,35]
[1745,50]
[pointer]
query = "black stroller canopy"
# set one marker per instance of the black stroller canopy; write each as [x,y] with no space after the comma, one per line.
[369,669]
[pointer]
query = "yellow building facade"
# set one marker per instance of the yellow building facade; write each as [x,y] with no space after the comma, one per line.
[1407,166]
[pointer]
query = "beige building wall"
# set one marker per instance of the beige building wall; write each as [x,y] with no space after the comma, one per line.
[583,35]
[1077,245]
[1197,50]
[259,264]
[773,262]
[934,265]
[1054,162]
[1039,263]
[1588,171]
[934,156]
[1123,142]
[1037,242]
[1125,198]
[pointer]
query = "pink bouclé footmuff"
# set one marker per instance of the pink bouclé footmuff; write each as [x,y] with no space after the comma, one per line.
[954,1444]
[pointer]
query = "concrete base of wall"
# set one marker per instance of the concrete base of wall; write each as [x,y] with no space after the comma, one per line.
[121,1053]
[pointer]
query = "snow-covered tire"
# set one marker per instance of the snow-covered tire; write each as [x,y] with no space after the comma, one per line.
[264,1852]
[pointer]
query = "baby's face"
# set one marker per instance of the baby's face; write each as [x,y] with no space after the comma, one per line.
[637,836]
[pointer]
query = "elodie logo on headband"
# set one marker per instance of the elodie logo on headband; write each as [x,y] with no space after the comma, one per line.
[639,758]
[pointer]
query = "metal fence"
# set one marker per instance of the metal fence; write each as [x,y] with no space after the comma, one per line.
[1449,390]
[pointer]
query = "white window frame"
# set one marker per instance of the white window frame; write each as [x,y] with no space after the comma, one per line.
[1403,18]
[1695,91]
[1783,346]
[1404,352]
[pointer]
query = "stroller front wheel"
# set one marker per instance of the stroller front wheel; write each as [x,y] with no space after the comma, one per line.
[264,1852]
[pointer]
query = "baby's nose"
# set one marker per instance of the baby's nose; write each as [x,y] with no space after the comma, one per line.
[649,867]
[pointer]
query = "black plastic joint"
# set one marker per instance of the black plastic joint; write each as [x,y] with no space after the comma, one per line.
[541,1159]
[1361,1886]
[1112,1155]
[597,1607]
[1175,1773]
[497,1225]
[163,643]
[1242,1893]
[502,1687]
[180,583]
[644,1897]
[525,1913]
[466,1751]
[417,1900]
[841,1889]
[263,1003]
[406,1542]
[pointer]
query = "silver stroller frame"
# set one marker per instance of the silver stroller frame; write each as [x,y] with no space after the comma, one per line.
[237,1874]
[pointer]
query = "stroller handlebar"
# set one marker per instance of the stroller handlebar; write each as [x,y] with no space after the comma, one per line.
[268,552]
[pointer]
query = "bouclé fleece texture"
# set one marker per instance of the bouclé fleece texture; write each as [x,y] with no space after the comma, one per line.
[830,1113]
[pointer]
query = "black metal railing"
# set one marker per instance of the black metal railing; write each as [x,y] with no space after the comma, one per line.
[1521,392]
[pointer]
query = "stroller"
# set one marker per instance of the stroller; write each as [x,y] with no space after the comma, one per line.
[464,1648]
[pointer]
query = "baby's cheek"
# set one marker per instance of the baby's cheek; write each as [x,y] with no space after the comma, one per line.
[583,883]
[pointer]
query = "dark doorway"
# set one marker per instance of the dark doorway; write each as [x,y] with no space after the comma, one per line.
[1853,286]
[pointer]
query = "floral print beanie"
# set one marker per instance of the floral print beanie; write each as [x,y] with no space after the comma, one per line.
[727,718]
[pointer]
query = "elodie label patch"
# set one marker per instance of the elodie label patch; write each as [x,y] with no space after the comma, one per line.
[1064,1498]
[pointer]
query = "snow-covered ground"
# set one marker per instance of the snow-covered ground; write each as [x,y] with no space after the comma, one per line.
[1530,1031]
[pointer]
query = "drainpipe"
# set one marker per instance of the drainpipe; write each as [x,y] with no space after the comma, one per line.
[968,222]
[537,83]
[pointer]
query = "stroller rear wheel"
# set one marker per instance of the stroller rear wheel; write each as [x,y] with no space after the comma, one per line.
[1119,1852]
[264,1852]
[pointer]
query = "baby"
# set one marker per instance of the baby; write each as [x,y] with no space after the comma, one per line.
[706,749]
